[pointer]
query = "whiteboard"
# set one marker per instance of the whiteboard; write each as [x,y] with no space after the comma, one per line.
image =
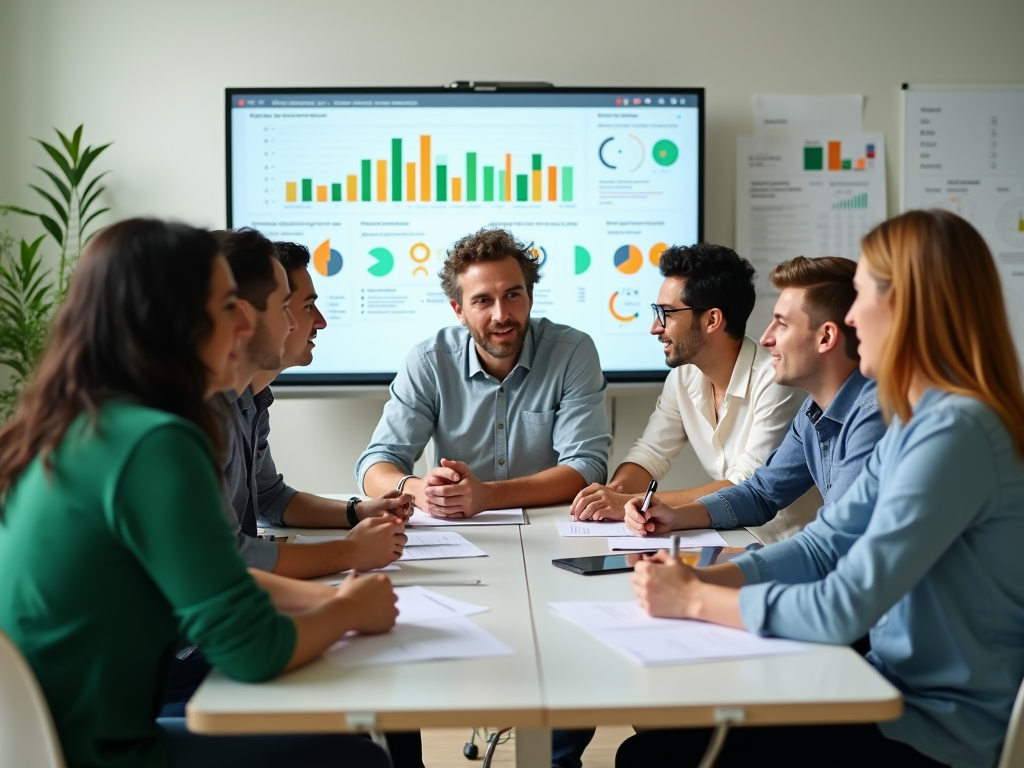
[963,150]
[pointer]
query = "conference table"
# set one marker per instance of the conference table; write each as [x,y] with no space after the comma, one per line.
[559,675]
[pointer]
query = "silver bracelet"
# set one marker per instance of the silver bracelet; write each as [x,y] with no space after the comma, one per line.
[401,483]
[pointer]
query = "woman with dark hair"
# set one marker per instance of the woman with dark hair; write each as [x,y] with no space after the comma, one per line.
[923,550]
[109,456]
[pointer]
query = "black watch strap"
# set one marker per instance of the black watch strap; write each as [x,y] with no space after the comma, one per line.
[350,512]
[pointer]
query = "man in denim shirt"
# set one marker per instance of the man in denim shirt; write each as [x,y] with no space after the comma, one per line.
[838,425]
[515,406]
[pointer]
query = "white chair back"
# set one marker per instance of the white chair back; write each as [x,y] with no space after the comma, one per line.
[27,735]
[1012,755]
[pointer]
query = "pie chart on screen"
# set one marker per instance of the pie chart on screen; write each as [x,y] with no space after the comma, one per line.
[326,260]
[628,259]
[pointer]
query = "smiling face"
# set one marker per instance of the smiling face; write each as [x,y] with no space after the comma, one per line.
[681,336]
[229,326]
[792,341]
[298,347]
[871,316]
[495,307]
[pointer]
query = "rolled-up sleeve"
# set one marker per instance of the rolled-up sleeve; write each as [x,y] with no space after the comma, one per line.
[408,421]
[664,437]
[272,492]
[580,435]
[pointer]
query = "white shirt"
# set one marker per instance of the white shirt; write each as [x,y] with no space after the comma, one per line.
[753,420]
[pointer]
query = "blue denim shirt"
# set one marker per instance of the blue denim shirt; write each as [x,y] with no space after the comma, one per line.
[549,411]
[823,448]
[925,551]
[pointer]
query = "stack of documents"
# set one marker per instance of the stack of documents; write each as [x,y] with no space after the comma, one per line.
[430,627]
[621,537]
[422,545]
[647,641]
[512,516]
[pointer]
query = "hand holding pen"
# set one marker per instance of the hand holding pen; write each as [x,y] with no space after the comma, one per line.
[647,516]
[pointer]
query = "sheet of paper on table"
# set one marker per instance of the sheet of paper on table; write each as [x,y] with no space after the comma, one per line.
[430,627]
[624,627]
[687,540]
[574,528]
[513,516]
[421,545]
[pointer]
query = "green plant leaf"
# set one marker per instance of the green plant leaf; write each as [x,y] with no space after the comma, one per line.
[88,156]
[16,209]
[60,160]
[84,195]
[65,190]
[53,228]
[72,145]
[53,201]
[91,217]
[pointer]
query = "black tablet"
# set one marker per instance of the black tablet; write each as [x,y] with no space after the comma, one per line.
[590,566]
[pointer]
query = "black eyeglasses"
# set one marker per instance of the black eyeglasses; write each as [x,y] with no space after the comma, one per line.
[661,311]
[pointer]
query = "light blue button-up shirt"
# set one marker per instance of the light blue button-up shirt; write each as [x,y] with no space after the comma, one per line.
[823,448]
[549,410]
[925,550]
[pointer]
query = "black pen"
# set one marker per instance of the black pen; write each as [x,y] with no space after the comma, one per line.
[647,499]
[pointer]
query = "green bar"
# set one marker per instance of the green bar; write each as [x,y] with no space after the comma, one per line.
[336,192]
[567,184]
[396,170]
[522,187]
[471,177]
[442,184]
[488,183]
[847,165]
[814,158]
[501,186]
[307,190]
[536,162]
[366,180]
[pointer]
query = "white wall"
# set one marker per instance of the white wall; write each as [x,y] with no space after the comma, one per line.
[150,76]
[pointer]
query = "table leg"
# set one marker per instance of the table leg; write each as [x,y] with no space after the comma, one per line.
[533,747]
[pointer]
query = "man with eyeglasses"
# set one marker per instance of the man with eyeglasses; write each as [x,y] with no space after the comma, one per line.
[721,395]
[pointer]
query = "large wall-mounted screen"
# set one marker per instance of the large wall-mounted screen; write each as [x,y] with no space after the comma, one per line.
[379,184]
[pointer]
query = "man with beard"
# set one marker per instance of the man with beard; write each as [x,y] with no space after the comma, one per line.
[515,406]
[721,394]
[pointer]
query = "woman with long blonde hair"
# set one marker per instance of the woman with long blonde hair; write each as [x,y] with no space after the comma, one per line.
[923,551]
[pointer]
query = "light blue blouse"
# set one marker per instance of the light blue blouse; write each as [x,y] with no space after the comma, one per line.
[925,550]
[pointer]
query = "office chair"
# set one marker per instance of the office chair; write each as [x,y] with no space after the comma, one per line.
[27,735]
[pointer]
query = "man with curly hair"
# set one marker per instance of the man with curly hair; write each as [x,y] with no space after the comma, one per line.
[515,406]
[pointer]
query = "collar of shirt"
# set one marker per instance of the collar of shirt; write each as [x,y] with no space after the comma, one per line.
[474,367]
[701,390]
[846,399]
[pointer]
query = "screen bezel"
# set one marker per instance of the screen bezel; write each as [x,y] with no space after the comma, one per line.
[385,378]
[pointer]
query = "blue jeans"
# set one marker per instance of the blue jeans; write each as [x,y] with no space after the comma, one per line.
[567,746]
[191,750]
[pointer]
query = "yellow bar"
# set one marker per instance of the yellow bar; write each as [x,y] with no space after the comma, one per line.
[536,186]
[552,183]
[508,178]
[456,189]
[321,193]
[382,181]
[425,168]
[291,192]
[351,188]
[410,181]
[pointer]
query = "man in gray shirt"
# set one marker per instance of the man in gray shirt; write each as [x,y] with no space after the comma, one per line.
[515,406]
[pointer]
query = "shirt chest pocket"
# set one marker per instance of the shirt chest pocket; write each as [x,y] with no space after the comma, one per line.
[537,427]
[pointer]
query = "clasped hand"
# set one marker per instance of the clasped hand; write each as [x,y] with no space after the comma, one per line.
[453,491]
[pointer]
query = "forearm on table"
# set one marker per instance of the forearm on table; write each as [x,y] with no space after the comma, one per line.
[382,477]
[690,495]
[307,561]
[631,477]
[717,604]
[318,629]
[305,510]
[558,485]
[724,575]
[291,595]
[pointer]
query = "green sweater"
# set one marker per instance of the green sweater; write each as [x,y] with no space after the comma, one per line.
[108,562]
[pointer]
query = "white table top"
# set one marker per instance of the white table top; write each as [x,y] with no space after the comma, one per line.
[559,676]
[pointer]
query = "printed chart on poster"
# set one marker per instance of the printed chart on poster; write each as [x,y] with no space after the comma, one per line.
[809,196]
[380,186]
[963,150]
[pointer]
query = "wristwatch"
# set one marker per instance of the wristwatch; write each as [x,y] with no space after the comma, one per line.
[402,482]
[350,512]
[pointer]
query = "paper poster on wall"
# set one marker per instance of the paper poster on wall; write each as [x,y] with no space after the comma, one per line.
[816,195]
[963,150]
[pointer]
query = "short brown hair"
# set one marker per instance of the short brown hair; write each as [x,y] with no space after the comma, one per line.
[486,245]
[828,291]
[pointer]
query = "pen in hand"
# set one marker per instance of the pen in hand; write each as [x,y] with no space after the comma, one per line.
[647,501]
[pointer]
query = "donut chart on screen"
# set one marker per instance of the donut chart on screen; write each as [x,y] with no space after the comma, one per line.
[326,260]
[616,315]
[628,259]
